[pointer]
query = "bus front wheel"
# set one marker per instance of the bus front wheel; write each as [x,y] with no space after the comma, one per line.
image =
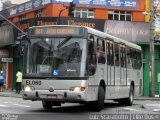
[97,105]
[130,99]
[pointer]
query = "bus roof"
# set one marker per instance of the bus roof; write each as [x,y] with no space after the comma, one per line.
[101,34]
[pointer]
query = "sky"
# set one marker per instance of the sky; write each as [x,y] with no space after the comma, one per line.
[18,1]
[13,2]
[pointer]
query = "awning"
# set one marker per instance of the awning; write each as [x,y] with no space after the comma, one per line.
[146,43]
[7,44]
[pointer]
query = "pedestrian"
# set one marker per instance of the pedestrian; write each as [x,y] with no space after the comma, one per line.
[1,81]
[18,81]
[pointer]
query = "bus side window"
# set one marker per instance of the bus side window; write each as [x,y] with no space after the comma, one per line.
[111,55]
[91,53]
[129,61]
[91,56]
[108,53]
[91,49]
[123,57]
[101,51]
[116,55]
[139,58]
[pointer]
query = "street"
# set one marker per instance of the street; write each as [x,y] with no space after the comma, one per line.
[18,109]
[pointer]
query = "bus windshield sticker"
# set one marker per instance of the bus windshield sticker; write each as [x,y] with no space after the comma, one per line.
[55,72]
[44,68]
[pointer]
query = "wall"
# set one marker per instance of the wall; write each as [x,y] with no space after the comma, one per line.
[52,10]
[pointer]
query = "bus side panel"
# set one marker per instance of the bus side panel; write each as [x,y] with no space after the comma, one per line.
[92,89]
[134,75]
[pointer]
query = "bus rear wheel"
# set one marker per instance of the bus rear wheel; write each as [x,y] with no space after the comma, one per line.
[129,100]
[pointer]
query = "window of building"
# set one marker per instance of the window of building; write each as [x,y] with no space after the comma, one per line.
[22,17]
[120,15]
[84,13]
[38,13]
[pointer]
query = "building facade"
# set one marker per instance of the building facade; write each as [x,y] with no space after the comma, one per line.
[121,18]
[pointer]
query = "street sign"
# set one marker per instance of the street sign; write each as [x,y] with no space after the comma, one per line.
[7,60]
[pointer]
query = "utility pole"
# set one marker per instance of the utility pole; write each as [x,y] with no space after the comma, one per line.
[152,57]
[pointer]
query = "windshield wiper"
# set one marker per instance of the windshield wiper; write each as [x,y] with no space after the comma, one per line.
[64,41]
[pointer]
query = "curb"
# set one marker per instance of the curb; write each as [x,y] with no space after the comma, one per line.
[12,94]
[155,99]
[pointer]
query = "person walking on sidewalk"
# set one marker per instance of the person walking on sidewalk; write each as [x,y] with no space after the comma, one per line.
[1,81]
[18,81]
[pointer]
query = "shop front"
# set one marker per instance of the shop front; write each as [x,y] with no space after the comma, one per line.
[6,54]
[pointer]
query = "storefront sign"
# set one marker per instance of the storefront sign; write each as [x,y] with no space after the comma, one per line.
[4,53]
[7,60]
[93,23]
[130,31]
[104,3]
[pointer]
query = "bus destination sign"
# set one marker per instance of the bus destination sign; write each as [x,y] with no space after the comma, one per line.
[55,31]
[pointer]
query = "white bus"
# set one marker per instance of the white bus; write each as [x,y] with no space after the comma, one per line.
[79,64]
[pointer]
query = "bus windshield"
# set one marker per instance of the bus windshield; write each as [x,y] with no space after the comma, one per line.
[56,57]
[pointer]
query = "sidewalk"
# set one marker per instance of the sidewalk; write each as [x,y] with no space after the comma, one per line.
[8,93]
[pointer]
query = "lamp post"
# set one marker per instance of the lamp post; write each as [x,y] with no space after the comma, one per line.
[152,57]
[71,8]
[59,16]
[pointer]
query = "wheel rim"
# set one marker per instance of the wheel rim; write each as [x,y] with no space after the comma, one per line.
[131,96]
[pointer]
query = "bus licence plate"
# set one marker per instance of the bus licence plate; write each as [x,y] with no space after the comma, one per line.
[52,96]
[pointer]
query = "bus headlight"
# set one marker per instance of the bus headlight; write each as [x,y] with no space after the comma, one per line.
[77,89]
[28,88]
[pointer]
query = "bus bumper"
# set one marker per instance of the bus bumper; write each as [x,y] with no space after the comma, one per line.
[56,95]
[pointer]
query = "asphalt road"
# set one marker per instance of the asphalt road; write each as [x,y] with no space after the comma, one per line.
[18,109]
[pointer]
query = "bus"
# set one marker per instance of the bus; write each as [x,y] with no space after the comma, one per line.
[64,63]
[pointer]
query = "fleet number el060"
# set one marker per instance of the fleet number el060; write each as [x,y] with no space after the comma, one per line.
[33,82]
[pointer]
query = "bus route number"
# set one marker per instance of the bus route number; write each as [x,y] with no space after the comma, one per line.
[33,82]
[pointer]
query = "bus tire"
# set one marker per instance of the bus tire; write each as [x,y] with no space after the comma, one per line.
[128,101]
[98,105]
[47,104]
